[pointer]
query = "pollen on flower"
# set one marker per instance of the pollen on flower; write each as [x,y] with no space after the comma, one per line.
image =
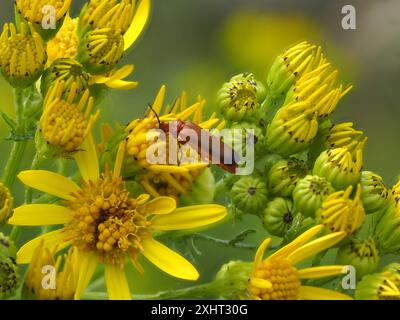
[22,55]
[32,10]
[6,202]
[65,43]
[65,123]
[275,279]
[107,221]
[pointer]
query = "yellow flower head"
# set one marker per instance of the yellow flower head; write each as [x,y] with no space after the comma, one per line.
[342,135]
[108,13]
[65,43]
[167,179]
[128,17]
[66,279]
[101,50]
[319,87]
[278,278]
[65,123]
[293,128]
[6,203]
[32,10]
[339,212]
[67,70]
[106,225]
[22,55]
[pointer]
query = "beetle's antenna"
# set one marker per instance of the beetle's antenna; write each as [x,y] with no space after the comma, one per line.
[155,113]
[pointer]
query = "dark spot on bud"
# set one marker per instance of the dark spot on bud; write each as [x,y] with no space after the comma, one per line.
[252,191]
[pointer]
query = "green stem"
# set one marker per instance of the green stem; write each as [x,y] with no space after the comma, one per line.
[199,291]
[13,163]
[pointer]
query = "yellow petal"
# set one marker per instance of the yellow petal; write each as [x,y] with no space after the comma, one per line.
[87,266]
[59,239]
[161,205]
[260,283]
[315,246]
[169,261]
[320,272]
[40,215]
[138,23]
[303,238]
[260,252]
[122,84]
[314,293]
[159,100]
[87,159]
[122,72]
[190,217]
[49,182]
[117,285]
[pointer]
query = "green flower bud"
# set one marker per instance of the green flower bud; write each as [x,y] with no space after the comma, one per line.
[341,212]
[340,166]
[361,254]
[232,279]
[6,204]
[387,232]
[202,190]
[284,175]
[278,216]
[249,194]
[377,287]
[7,247]
[237,140]
[101,49]
[22,55]
[288,67]
[270,160]
[395,192]
[8,277]
[239,99]
[374,192]
[292,129]
[43,13]
[68,70]
[309,194]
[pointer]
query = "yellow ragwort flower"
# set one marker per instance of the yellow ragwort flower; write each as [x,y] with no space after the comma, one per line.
[319,87]
[340,212]
[65,123]
[167,179]
[106,225]
[65,43]
[22,54]
[66,277]
[32,10]
[278,278]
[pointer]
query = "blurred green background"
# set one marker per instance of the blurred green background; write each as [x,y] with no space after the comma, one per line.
[197,45]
